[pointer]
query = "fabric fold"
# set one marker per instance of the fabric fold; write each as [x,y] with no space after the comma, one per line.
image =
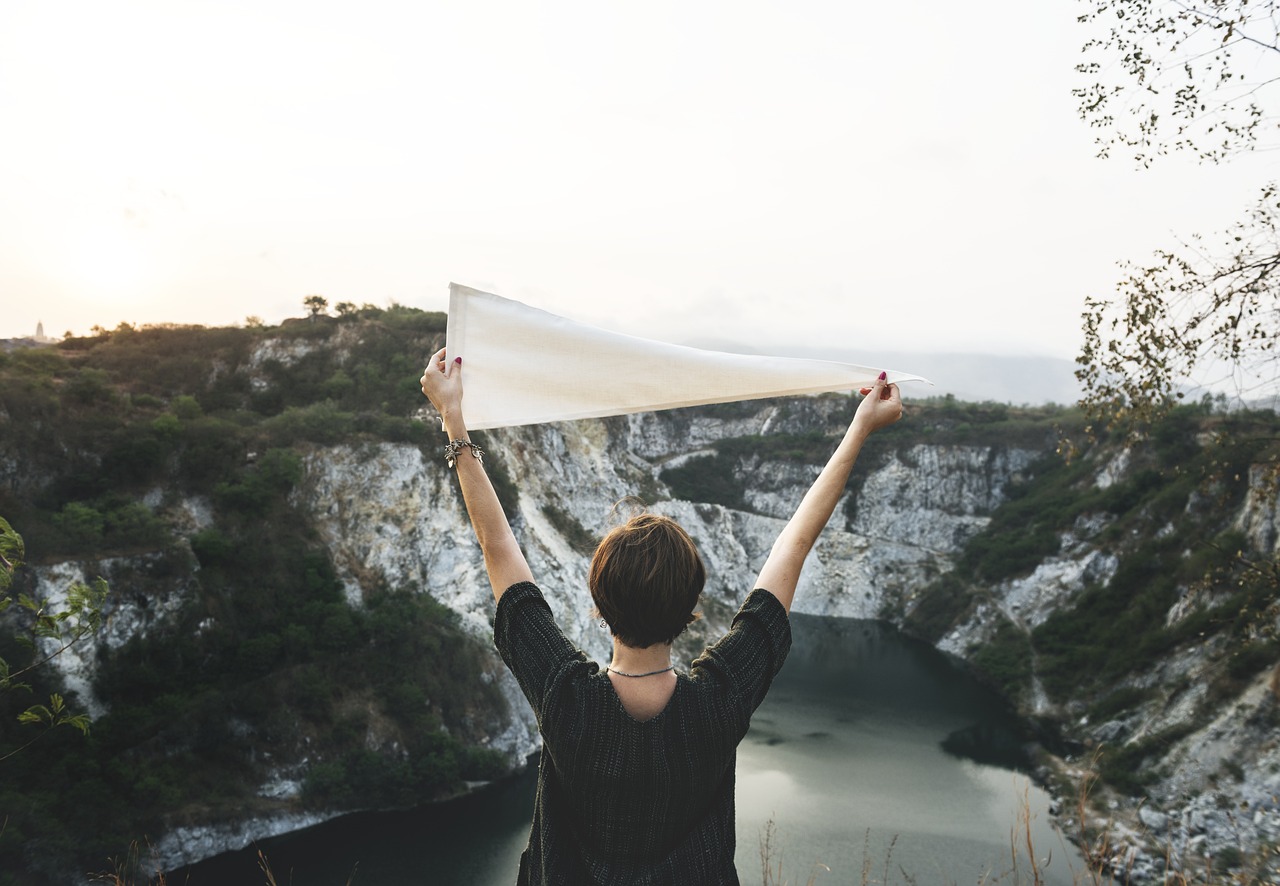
[527,366]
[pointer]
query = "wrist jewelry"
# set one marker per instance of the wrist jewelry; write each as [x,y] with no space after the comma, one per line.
[452,449]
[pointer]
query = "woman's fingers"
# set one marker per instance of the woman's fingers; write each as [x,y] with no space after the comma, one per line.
[436,364]
[882,403]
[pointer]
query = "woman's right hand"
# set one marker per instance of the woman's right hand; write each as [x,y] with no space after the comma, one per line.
[881,406]
[442,383]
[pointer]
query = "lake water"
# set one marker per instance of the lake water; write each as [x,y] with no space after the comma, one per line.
[845,758]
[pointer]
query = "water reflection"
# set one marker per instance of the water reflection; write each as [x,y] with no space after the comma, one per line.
[473,840]
[867,726]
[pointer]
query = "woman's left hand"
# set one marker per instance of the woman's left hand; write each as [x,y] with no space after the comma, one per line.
[442,383]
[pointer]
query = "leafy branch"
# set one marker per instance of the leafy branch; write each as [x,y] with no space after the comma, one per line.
[1177,76]
[1193,317]
[78,617]
[51,717]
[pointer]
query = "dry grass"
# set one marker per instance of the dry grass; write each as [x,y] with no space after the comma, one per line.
[890,873]
[771,860]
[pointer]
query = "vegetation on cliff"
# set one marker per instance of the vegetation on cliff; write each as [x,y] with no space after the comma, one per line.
[101,437]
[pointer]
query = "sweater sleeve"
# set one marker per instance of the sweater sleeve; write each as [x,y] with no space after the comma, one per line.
[747,658]
[531,643]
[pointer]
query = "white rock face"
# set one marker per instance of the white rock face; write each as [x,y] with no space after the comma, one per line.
[124,616]
[937,497]
[1114,470]
[1259,519]
[1054,584]
[75,663]
[391,516]
[187,845]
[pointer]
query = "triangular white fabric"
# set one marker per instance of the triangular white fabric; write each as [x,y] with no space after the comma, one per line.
[522,366]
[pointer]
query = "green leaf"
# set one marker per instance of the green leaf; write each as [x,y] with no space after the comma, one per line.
[37,713]
[11,548]
[79,721]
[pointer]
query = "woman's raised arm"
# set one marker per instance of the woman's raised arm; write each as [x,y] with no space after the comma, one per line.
[503,559]
[882,406]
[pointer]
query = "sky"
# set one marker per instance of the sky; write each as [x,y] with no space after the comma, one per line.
[904,176]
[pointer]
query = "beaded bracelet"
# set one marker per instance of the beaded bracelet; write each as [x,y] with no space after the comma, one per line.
[452,449]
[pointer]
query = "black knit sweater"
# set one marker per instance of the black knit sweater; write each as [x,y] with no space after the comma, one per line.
[626,802]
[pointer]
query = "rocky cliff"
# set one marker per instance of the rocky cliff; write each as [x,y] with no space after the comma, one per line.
[962,525]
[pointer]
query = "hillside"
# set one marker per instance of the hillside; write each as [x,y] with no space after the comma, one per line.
[298,618]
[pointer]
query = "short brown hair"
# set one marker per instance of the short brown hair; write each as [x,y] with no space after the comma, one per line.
[645,579]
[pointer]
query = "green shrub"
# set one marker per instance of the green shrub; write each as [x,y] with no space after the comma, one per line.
[212,548]
[579,538]
[166,426]
[89,386]
[145,401]
[1005,659]
[134,457]
[39,362]
[212,450]
[186,407]
[1250,658]
[256,656]
[338,385]
[940,606]
[82,524]
[318,423]
[996,556]
[264,485]
[415,320]
[394,429]
[134,524]
[1120,701]
[1123,766]
[707,479]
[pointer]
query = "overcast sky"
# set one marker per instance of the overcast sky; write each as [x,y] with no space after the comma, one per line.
[898,176]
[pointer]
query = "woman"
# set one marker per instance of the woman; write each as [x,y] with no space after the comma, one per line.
[636,777]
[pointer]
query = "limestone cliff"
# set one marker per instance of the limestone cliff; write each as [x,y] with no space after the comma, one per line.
[962,525]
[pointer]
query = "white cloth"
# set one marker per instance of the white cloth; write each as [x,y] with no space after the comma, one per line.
[522,365]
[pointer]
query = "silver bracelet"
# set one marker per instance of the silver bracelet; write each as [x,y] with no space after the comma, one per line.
[452,449]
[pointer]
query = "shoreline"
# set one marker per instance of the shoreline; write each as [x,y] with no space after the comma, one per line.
[172,854]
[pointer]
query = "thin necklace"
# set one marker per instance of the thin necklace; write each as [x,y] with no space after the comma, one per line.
[669,667]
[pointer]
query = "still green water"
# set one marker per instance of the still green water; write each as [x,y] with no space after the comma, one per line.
[845,757]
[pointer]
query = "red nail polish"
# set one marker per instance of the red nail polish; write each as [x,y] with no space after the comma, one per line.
[883,376]
[457,360]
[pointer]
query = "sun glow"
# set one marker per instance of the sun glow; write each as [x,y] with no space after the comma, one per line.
[107,262]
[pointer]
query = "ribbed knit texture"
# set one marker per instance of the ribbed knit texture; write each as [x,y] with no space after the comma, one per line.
[625,802]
